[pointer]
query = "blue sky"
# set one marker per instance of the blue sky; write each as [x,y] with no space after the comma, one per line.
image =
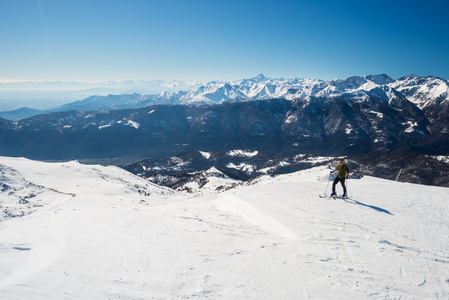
[89,40]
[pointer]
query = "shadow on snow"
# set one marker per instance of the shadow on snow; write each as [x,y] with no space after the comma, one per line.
[370,206]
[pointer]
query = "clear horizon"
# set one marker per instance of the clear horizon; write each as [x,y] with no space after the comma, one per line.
[95,41]
[93,83]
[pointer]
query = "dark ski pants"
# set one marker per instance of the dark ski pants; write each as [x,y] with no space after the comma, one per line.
[336,180]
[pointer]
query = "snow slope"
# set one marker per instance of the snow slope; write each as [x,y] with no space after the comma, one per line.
[274,239]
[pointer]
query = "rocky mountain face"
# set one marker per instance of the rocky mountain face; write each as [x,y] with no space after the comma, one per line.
[404,167]
[431,95]
[379,120]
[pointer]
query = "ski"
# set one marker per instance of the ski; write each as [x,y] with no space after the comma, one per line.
[333,197]
[327,197]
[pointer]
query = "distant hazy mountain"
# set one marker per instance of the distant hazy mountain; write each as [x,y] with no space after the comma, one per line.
[21,113]
[48,95]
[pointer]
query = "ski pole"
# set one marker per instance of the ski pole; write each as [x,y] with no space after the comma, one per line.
[327,186]
[347,184]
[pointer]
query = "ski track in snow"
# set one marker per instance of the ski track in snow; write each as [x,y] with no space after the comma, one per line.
[121,237]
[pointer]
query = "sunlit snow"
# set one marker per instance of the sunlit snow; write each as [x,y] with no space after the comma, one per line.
[93,232]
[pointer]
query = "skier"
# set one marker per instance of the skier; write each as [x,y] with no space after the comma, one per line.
[343,173]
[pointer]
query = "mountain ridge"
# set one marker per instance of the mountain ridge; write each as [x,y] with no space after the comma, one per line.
[343,125]
[419,90]
[358,115]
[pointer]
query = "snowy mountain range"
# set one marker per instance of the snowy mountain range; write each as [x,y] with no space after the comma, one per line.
[74,231]
[358,115]
[422,91]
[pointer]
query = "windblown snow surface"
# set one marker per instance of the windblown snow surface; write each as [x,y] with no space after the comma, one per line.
[71,231]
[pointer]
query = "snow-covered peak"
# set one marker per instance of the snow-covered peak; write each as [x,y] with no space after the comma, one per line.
[408,77]
[380,79]
[260,77]
[424,90]
[256,79]
[365,82]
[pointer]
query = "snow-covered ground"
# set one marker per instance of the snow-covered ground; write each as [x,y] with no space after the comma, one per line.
[102,233]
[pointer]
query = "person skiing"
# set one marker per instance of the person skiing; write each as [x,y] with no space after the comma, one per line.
[343,173]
